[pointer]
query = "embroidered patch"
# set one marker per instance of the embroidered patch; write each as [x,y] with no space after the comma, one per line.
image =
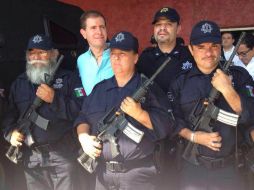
[58,83]
[79,92]
[37,39]
[206,28]
[186,65]
[119,37]
[250,90]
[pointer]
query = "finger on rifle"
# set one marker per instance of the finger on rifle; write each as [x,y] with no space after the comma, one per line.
[216,144]
[214,134]
[97,152]
[214,148]
[97,144]
[44,87]
[129,99]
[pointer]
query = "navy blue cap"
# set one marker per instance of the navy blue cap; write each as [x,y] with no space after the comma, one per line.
[205,31]
[124,41]
[40,41]
[168,13]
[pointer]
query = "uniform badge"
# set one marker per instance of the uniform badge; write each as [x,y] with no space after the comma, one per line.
[37,39]
[186,65]
[206,28]
[250,90]
[79,92]
[58,83]
[164,10]
[119,37]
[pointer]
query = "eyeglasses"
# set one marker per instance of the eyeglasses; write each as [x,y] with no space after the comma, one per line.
[243,53]
[38,53]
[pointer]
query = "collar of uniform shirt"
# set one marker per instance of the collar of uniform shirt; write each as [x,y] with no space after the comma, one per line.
[113,83]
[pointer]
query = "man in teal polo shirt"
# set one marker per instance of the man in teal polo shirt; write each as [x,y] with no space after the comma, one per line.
[94,65]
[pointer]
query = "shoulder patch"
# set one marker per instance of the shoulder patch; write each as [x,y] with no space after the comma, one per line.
[186,65]
[79,92]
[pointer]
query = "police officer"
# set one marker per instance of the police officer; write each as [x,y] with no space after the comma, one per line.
[166,27]
[134,167]
[50,162]
[216,151]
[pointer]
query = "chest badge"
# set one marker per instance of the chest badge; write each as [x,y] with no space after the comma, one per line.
[58,83]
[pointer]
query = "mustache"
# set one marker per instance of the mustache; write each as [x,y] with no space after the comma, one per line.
[31,62]
[162,30]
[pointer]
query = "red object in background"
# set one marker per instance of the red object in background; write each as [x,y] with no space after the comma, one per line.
[136,15]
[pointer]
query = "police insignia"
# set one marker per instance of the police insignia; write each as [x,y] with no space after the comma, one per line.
[37,39]
[79,92]
[163,10]
[186,65]
[250,90]
[206,28]
[58,83]
[119,37]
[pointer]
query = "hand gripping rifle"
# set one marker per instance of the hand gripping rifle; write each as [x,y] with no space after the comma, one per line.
[114,122]
[31,117]
[200,120]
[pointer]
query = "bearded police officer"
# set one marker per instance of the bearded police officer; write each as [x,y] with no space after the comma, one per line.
[50,162]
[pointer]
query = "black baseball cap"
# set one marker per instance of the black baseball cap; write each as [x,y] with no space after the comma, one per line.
[40,41]
[205,31]
[168,13]
[124,41]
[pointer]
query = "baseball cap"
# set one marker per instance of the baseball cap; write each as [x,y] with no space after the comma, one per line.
[124,41]
[205,31]
[40,41]
[168,13]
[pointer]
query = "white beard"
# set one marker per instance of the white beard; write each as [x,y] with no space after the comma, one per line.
[36,74]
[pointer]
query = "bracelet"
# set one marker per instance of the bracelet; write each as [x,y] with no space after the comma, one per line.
[192,137]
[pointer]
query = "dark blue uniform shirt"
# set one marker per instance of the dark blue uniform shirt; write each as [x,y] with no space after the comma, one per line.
[192,86]
[106,95]
[60,113]
[152,58]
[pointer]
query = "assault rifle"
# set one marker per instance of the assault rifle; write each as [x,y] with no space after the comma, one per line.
[200,117]
[114,122]
[29,118]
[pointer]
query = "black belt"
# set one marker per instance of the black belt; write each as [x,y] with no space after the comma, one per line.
[122,167]
[44,148]
[64,141]
[216,163]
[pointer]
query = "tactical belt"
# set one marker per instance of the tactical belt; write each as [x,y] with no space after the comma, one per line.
[65,140]
[122,167]
[216,163]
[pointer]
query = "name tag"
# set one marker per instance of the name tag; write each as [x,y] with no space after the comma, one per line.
[133,133]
